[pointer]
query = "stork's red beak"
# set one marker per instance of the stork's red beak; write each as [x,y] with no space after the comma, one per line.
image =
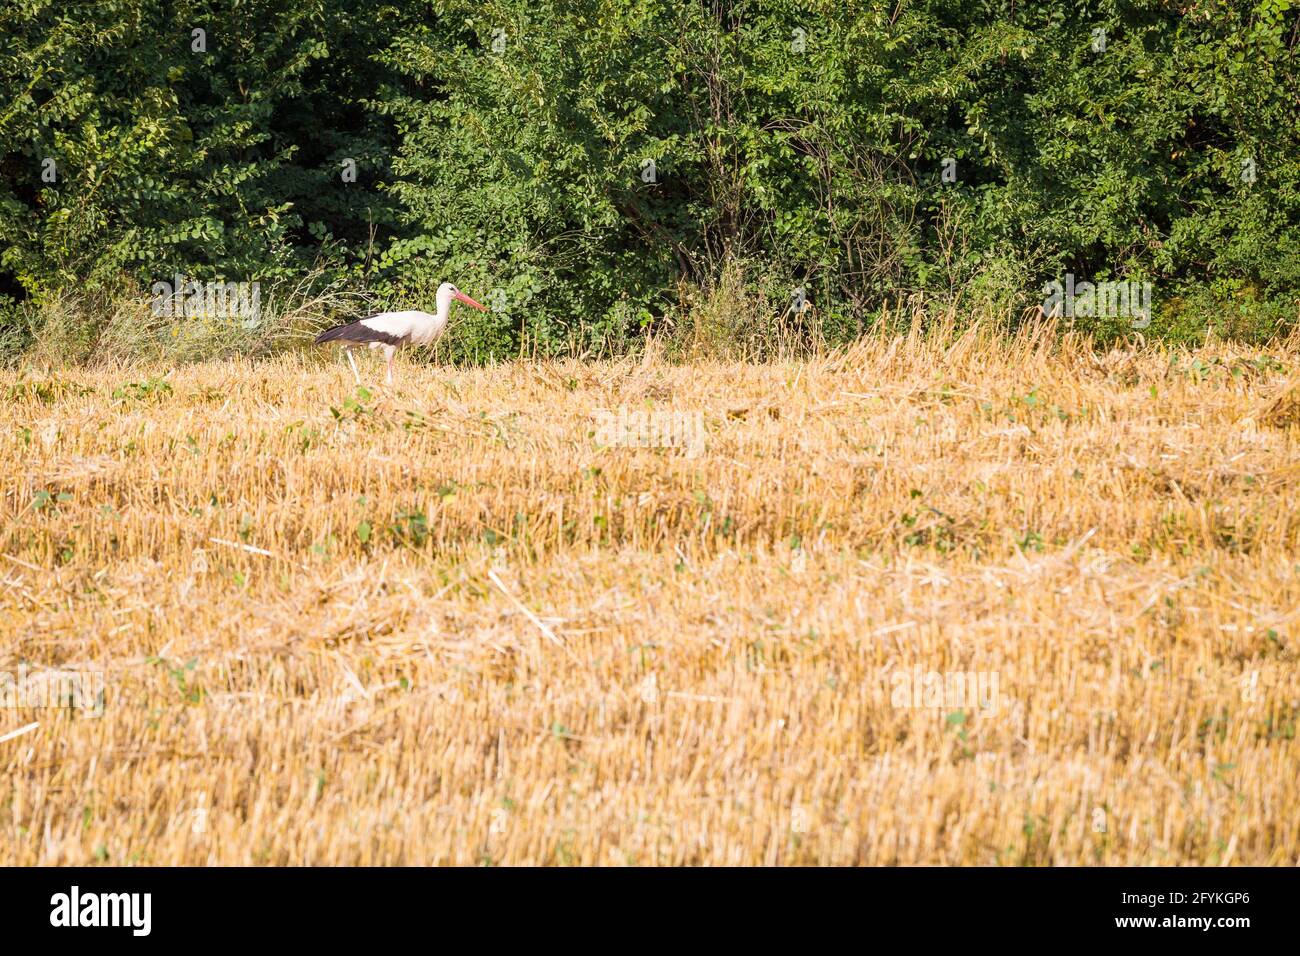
[462,297]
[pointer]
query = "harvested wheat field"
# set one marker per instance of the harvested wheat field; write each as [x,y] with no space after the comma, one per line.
[930,601]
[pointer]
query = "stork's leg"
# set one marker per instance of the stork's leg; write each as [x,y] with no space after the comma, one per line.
[389,352]
[353,363]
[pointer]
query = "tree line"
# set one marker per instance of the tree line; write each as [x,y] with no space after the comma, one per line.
[590,168]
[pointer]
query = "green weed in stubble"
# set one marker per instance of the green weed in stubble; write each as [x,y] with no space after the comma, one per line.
[150,390]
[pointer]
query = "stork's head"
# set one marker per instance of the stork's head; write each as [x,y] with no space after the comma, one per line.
[447,291]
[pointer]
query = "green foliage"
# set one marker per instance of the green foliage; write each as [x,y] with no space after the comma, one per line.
[506,145]
[168,158]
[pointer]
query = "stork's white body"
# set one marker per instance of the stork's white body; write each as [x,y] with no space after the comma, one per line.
[389,330]
[413,327]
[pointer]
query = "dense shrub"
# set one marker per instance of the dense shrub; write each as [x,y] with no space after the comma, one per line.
[963,152]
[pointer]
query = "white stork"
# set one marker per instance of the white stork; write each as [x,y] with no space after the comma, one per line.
[388,330]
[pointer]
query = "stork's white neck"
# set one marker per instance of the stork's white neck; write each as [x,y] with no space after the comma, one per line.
[443,300]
